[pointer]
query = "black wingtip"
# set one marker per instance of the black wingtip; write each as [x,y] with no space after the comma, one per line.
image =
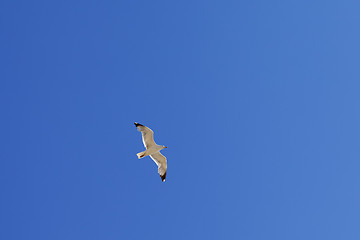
[163,177]
[138,124]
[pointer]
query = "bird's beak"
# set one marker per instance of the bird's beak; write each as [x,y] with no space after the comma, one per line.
[165,147]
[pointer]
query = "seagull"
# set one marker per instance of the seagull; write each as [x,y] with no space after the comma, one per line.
[152,149]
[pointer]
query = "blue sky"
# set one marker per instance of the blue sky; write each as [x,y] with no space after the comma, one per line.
[257,101]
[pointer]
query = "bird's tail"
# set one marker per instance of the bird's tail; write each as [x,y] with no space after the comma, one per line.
[141,154]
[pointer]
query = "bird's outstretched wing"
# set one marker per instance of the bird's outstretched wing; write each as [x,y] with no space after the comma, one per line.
[147,135]
[160,160]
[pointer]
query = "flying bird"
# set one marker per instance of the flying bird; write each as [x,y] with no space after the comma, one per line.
[152,149]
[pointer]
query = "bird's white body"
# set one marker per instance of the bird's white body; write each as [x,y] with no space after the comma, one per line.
[152,150]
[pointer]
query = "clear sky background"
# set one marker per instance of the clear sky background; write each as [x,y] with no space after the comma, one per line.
[257,101]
